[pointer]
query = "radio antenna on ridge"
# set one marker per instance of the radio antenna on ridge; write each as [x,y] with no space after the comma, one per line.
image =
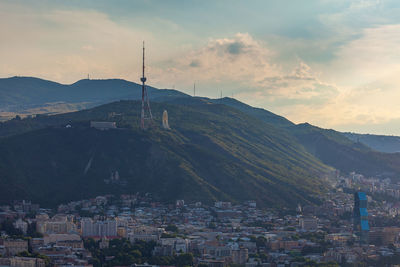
[146,111]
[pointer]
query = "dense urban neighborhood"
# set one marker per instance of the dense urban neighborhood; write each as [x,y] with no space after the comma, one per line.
[153,133]
[134,230]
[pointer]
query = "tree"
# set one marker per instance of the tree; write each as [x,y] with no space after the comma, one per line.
[32,231]
[96,262]
[90,244]
[35,255]
[24,254]
[185,259]
[260,242]
[9,228]
[172,228]
[212,225]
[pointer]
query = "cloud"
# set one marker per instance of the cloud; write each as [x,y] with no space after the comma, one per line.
[88,47]
[372,56]
[238,59]
[195,63]
[251,68]
[347,74]
[367,71]
[235,48]
[65,45]
[356,90]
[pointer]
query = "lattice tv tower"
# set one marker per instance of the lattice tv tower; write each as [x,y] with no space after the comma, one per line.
[146,111]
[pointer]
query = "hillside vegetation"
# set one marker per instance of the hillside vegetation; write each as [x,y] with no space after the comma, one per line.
[217,148]
[334,149]
[212,152]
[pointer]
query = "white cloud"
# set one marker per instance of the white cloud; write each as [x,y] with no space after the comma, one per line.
[359,86]
[371,57]
[65,45]
[248,65]
[367,71]
[239,59]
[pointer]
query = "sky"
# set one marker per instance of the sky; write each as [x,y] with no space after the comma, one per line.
[331,63]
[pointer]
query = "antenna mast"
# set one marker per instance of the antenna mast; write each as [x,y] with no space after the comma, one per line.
[146,111]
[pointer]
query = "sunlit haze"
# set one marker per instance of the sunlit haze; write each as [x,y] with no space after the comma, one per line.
[332,63]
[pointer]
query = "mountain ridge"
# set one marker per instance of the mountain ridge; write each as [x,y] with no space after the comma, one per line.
[381,143]
[212,152]
[30,95]
[269,145]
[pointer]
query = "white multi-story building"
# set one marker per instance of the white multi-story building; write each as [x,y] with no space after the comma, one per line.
[59,224]
[145,233]
[179,245]
[105,228]
[308,224]
[223,205]
[21,225]
[87,227]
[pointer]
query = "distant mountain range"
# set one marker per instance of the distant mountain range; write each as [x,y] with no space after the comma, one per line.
[217,148]
[382,143]
[28,95]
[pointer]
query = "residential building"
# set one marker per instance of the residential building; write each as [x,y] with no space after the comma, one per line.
[15,246]
[90,228]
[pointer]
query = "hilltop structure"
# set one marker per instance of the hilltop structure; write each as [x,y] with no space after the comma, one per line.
[146,111]
[102,125]
[165,123]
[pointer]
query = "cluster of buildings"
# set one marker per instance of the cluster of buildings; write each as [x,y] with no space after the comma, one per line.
[22,262]
[373,185]
[343,229]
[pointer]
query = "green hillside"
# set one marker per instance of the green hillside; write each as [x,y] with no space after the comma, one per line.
[336,150]
[331,147]
[218,148]
[212,152]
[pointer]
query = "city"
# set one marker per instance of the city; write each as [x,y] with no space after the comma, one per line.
[133,230]
[229,133]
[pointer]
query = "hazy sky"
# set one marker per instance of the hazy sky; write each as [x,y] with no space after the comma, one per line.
[332,63]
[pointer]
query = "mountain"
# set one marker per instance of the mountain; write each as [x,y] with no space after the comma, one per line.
[28,95]
[218,148]
[336,150]
[382,143]
[259,113]
[212,152]
[343,151]
[331,147]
